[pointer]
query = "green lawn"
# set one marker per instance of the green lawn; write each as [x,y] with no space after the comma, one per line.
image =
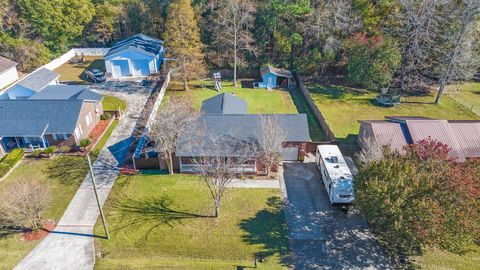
[162,221]
[468,94]
[63,185]
[343,107]
[75,72]
[103,140]
[112,103]
[258,100]
[434,259]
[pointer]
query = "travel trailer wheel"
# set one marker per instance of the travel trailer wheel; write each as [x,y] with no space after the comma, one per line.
[345,209]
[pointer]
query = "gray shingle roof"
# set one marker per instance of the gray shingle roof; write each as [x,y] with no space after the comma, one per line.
[224,103]
[34,117]
[244,126]
[66,92]
[6,64]
[139,43]
[38,79]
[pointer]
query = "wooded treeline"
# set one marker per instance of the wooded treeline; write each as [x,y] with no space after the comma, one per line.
[398,43]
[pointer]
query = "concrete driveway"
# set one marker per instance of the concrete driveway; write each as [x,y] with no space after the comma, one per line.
[70,245]
[322,236]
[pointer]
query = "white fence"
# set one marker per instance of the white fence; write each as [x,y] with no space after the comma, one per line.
[154,111]
[75,51]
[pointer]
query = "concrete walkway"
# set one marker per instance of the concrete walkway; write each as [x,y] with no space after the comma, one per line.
[70,245]
[238,183]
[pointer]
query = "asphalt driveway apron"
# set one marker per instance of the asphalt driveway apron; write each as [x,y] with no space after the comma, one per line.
[322,236]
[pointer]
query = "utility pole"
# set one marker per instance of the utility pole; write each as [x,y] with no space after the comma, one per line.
[96,197]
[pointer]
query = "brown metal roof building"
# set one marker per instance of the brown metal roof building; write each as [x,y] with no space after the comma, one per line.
[463,137]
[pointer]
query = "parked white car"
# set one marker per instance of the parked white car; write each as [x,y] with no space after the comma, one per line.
[336,175]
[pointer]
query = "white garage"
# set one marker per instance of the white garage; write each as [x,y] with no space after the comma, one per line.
[8,72]
[136,57]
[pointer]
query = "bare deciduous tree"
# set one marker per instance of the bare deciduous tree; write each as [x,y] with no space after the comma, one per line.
[220,159]
[417,31]
[271,141]
[176,117]
[370,152]
[460,60]
[233,23]
[23,203]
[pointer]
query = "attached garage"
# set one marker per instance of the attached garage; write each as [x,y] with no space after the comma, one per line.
[136,57]
[290,153]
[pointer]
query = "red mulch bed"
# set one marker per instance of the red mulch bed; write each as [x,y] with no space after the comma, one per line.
[48,226]
[99,129]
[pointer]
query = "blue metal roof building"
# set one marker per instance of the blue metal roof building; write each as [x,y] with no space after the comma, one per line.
[136,57]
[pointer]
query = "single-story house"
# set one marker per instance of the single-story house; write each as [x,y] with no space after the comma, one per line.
[56,115]
[225,117]
[31,84]
[8,72]
[462,136]
[273,77]
[136,57]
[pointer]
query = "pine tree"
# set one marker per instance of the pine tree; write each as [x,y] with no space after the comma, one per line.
[182,42]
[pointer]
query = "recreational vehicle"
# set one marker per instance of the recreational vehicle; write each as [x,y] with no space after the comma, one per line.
[336,175]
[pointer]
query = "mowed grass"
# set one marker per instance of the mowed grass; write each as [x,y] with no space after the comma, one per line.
[468,94]
[62,190]
[110,103]
[163,221]
[434,259]
[258,100]
[343,107]
[76,72]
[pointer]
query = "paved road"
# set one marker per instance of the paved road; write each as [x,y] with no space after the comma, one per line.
[70,245]
[322,236]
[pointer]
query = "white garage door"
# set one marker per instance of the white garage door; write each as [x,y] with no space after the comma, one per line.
[290,153]
[140,68]
[120,68]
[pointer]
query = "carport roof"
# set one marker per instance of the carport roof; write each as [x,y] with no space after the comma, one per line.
[38,79]
[140,43]
[66,92]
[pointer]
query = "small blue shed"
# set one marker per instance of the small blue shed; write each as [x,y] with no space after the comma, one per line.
[136,57]
[274,78]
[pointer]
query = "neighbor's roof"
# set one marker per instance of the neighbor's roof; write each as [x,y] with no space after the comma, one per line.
[438,130]
[243,126]
[266,69]
[139,43]
[36,117]
[66,92]
[6,64]
[388,133]
[224,103]
[467,134]
[38,79]
[463,137]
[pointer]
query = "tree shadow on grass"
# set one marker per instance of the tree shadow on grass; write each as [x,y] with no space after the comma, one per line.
[67,170]
[335,91]
[150,214]
[269,229]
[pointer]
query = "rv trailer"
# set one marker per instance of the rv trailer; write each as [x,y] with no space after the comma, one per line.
[336,176]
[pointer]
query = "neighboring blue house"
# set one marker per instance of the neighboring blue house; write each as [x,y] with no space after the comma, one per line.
[136,57]
[274,78]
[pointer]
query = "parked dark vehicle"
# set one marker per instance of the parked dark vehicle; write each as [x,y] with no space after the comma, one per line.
[95,75]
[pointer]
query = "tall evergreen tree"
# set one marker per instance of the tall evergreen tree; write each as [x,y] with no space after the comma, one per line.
[182,42]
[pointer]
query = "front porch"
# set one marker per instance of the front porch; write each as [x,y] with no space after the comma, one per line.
[27,143]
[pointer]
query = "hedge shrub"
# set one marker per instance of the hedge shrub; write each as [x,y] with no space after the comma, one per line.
[10,160]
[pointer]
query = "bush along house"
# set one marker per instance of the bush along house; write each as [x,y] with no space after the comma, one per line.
[48,115]
[225,116]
